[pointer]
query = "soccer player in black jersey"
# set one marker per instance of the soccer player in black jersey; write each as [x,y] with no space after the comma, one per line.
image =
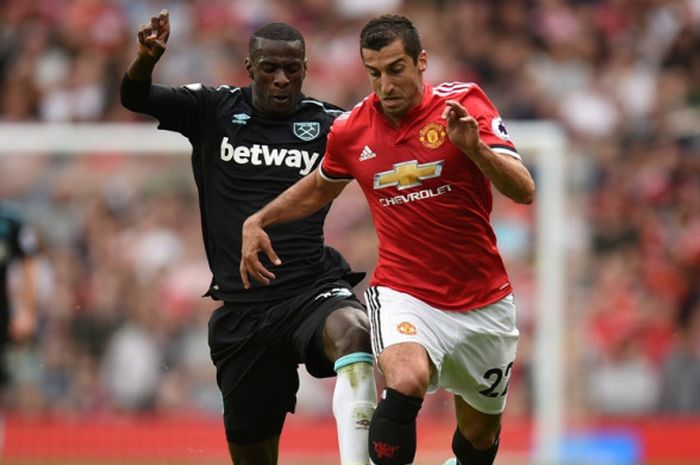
[250,144]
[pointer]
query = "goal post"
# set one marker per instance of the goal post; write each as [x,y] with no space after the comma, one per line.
[544,145]
[547,143]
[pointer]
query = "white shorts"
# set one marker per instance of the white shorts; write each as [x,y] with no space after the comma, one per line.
[473,351]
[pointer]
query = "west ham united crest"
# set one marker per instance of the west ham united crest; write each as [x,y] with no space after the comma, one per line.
[307,130]
[432,135]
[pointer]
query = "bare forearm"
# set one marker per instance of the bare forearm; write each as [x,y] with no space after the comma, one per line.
[302,199]
[141,68]
[508,174]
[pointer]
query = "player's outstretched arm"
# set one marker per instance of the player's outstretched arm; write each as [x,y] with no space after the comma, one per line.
[151,43]
[305,197]
[508,174]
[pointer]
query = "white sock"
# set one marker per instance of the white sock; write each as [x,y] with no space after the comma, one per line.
[354,400]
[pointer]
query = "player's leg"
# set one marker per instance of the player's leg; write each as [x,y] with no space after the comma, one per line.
[334,340]
[392,435]
[477,370]
[263,452]
[347,344]
[399,340]
[256,371]
[476,438]
[256,406]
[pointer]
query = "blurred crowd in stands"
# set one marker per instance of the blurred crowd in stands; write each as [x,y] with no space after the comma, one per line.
[123,326]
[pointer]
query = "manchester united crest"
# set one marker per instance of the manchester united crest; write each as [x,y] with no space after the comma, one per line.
[432,135]
[406,328]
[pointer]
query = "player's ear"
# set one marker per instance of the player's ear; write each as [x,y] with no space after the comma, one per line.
[422,61]
[249,67]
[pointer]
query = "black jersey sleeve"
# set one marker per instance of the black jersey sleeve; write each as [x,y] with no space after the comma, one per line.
[178,109]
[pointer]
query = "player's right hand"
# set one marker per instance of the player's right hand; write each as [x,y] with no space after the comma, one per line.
[462,128]
[153,36]
[254,240]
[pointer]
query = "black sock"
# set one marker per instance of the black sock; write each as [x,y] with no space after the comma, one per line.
[467,455]
[392,432]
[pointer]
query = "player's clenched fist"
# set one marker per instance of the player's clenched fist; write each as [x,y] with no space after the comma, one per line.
[153,36]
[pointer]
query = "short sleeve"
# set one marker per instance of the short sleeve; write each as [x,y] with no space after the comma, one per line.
[492,130]
[180,109]
[333,167]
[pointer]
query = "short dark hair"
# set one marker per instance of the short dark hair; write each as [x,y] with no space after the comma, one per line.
[275,31]
[383,30]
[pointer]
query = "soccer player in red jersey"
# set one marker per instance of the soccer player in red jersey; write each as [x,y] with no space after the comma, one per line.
[440,300]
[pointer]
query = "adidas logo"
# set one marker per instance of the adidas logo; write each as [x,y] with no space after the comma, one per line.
[367,153]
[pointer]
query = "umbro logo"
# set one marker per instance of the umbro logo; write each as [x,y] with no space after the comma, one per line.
[240,118]
[367,153]
[335,292]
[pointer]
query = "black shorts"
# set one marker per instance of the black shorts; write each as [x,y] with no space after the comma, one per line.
[257,350]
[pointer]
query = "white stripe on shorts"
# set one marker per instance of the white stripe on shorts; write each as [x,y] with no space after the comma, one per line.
[373,304]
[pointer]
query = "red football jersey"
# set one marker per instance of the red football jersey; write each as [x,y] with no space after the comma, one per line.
[430,203]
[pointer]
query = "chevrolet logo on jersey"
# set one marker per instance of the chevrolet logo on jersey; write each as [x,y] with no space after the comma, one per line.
[408,174]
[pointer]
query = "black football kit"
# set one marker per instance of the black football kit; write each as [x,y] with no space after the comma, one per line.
[241,160]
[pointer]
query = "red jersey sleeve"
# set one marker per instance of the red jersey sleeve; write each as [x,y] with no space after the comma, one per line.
[491,128]
[333,167]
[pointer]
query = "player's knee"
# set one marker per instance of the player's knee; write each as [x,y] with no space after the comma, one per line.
[355,339]
[348,332]
[407,368]
[482,438]
[410,382]
[481,432]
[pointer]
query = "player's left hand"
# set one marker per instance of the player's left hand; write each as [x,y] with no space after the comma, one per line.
[254,240]
[462,128]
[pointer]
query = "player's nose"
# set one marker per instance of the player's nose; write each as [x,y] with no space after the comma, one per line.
[280,78]
[386,86]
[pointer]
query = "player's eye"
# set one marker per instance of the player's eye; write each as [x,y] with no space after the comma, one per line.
[292,69]
[268,68]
